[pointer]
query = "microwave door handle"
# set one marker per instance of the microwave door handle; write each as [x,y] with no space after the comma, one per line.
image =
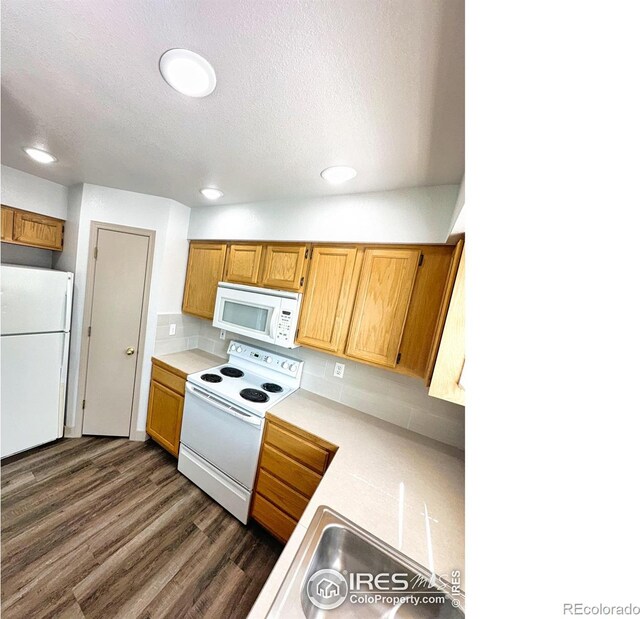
[242,416]
[274,323]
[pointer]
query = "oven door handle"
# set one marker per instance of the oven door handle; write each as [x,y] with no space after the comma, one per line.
[230,410]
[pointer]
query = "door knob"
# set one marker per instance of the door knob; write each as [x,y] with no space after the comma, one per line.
[130,351]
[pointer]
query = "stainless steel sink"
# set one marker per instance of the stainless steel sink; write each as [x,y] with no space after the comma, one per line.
[360,576]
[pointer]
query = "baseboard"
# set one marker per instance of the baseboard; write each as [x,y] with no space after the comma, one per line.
[138,435]
[72,432]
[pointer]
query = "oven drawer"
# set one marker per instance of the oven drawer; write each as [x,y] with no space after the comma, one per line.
[232,496]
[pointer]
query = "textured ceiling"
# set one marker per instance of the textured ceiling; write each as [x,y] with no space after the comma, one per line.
[375,84]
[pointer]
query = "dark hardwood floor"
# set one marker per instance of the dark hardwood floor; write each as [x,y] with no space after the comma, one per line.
[100,527]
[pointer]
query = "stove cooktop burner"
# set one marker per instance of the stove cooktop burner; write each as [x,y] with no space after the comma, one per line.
[271,387]
[211,378]
[254,395]
[232,372]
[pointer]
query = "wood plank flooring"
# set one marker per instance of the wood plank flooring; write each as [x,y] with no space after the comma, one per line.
[100,527]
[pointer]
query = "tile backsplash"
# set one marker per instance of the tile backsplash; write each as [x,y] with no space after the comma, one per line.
[398,399]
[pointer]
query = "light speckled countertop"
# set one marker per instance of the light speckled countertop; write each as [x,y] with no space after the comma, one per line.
[403,487]
[190,361]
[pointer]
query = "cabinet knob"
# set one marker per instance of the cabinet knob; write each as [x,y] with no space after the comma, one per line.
[130,351]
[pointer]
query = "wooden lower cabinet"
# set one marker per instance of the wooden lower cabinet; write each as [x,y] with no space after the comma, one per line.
[166,404]
[291,466]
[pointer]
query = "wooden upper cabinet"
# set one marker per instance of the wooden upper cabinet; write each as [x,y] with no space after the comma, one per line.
[243,264]
[445,383]
[442,312]
[422,322]
[284,266]
[32,229]
[328,298]
[204,270]
[381,305]
[7,223]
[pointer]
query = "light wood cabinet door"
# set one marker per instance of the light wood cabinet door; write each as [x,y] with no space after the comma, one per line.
[164,417]
[284,266]
[429,291]
[37,230]
[7,223]
[243,264]
[445,383]
[204,270]
[328,298]
[380,310]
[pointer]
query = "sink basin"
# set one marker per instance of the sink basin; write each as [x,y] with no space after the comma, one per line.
[341,570]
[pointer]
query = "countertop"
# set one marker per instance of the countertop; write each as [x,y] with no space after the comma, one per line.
[403,487]
[189,361]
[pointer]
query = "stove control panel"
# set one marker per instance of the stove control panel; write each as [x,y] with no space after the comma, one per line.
[290,366]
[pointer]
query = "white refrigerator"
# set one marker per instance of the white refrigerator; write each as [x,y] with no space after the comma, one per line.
[34,353]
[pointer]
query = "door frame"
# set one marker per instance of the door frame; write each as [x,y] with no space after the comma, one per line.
[96,226]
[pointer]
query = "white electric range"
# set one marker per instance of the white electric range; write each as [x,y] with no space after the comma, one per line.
[223,421]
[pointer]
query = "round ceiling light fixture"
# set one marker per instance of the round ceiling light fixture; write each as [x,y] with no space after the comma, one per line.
[338,174]
[41,156]
[188,72]
[211,193]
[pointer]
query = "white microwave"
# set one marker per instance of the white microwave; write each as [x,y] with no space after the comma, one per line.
[263,314]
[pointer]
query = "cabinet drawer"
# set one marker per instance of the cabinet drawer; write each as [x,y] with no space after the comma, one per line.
[297,447]
[295,474]
[285,497]
[272,518]
[168,379]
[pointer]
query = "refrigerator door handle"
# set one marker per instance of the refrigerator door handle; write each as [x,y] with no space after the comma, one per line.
[64,372]
[69,302]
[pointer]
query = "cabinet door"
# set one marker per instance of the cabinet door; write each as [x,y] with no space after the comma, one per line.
[37,230]
[243,264]
[7,223]
[428,295]
[204,271]
[382,301]
[284,266]
[445,383]
[164,417]
[328,298]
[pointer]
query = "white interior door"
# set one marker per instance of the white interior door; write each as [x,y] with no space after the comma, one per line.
[116,315]
[32,390]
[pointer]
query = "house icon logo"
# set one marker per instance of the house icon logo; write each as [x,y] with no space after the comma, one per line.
[327,589]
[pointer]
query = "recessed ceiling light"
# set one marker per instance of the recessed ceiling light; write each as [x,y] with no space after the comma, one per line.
[211,193]
[188,72]
[338,174]
[41,156]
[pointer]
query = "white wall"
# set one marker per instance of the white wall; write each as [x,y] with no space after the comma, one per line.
[457,225]
[417,215]
[32,193]
[127,208]
[28,256]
